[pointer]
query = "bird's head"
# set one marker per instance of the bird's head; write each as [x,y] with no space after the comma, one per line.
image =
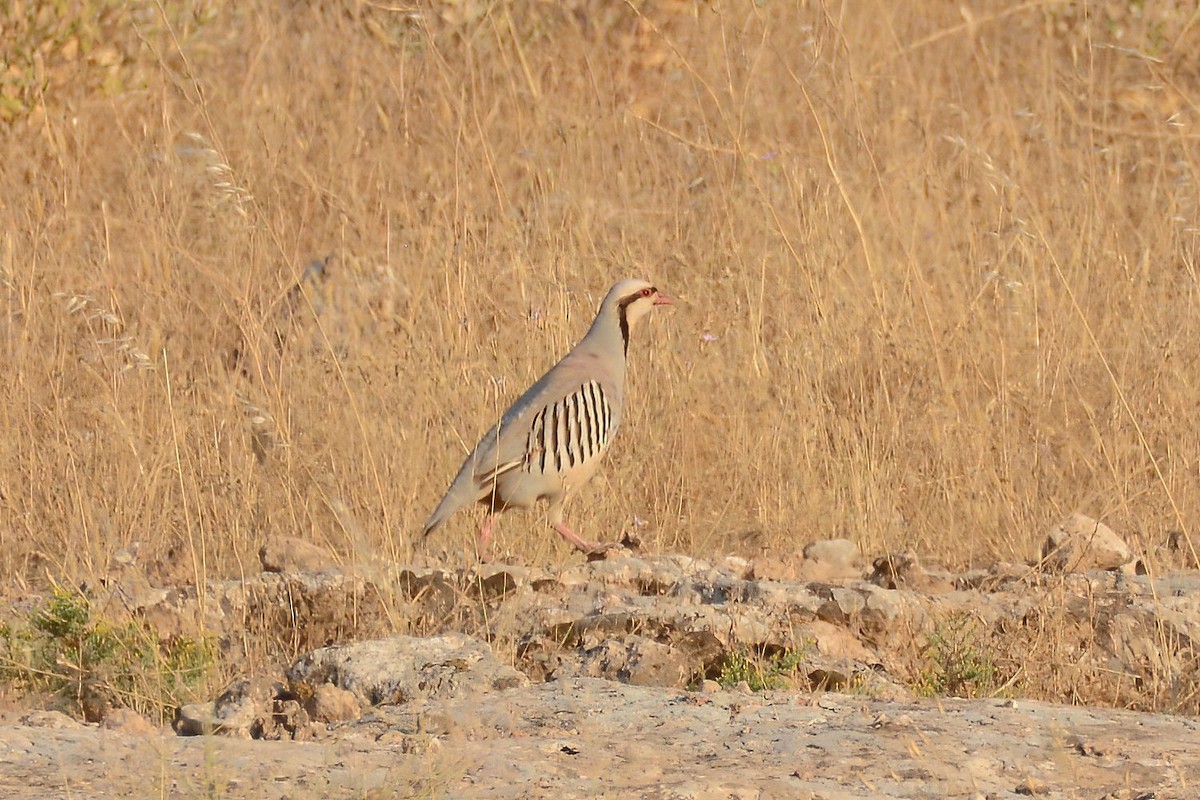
[633,298]
[630,300]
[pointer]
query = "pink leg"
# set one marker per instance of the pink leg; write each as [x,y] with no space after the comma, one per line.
[580,544]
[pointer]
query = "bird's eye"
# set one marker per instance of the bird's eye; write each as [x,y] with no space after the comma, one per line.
[646,292]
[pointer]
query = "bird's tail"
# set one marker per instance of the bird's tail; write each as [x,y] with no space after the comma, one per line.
[462,493]
[435,521]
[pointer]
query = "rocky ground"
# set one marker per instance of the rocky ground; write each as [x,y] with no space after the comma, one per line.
[664,676]
[588,737]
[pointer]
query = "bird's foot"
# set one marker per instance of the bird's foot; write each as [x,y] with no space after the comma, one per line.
[598,551]
[594,551]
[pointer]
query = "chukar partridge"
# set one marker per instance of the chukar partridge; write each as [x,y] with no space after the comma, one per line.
[552,438]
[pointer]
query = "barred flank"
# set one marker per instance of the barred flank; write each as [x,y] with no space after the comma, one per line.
[570,432]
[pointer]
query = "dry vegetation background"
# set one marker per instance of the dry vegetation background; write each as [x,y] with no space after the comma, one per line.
[937,265]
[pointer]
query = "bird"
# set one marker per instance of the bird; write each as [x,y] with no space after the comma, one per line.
[552,438]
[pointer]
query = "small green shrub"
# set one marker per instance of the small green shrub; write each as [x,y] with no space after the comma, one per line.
[63,649]
[958,661]
[759,670]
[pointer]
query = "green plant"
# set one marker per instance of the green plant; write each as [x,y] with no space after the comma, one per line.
[64,649]
[958,663]
[759,670]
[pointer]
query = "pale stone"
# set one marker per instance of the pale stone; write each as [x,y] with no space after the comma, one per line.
[1080,543]
[290,554]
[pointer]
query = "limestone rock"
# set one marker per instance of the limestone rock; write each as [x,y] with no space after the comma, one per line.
[128,721]
[836,642]
[495,581]
[686,615]
[404,668]
[245,710]
[1080,543]
[290,554]
[770,568]
[649,574]
[841,606]
[55,720]
[586,738]
[330,703]
[654,664]
[741,567]
[904,570]
[638,661]
[196,719]
[830,560]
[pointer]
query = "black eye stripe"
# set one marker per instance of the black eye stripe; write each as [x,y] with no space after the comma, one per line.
[638,295]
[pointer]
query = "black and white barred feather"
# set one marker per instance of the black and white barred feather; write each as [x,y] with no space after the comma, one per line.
[569,432]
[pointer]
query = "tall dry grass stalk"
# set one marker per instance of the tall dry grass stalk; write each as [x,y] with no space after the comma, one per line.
[936,262]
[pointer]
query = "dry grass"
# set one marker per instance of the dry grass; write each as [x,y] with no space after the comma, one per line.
[938,272]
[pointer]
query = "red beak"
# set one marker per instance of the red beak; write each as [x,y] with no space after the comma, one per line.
[661,299]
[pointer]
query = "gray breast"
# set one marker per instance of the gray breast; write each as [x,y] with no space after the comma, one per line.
[570,431]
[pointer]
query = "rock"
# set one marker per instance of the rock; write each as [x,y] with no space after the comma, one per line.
[829,679]
[701,648]
[404,668]
[196,719]
[884,608]
[741,567]
[824,560]
[662,622]
[330,703]
[55,720]
[96,698]
[836,642]
[831,559]
[288,717]
[584,738]
[817,571]
[128,721]
[769,568]
[290,554]
[843,606]
[691,615]
[904,570]
[494,581]
[1032,787]
[638,661]
[1080,543]
[245,710]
